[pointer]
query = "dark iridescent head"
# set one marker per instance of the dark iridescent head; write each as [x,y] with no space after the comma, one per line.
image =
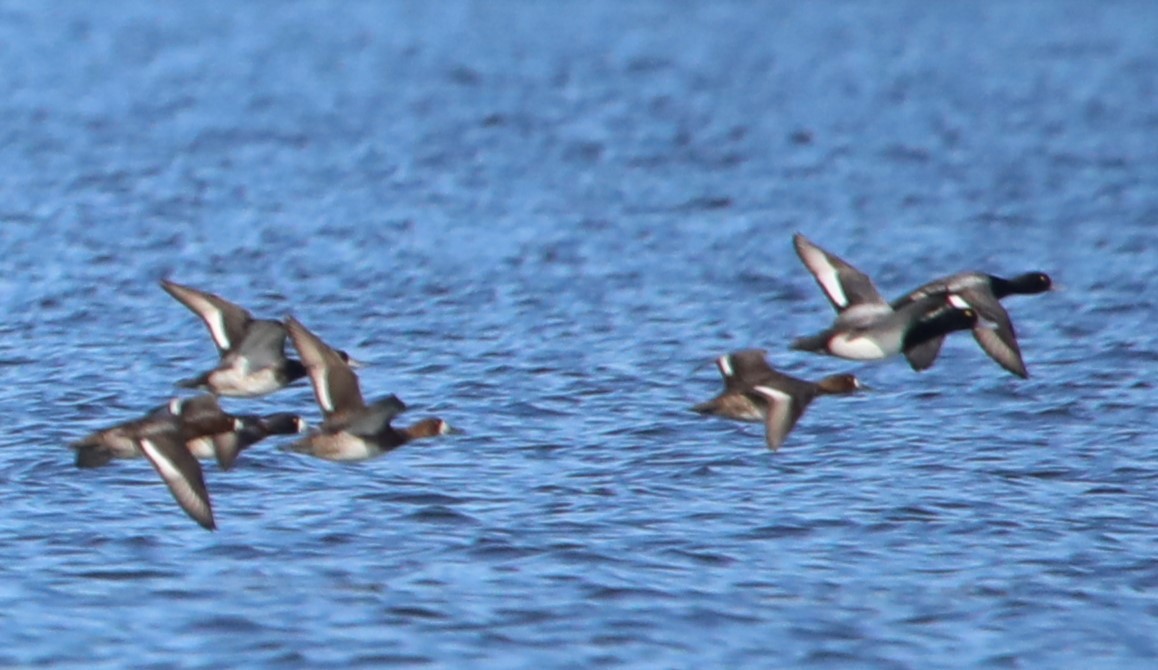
[1033,282]
[1026,284]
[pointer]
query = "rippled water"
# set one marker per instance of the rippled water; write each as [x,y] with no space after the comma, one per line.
[542,221]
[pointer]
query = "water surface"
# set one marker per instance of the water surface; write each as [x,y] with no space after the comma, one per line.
[542,222]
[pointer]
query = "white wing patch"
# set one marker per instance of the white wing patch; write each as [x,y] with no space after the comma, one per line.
[217,328]
[189,498]
[323,389]
[779,415]
[168,472]
[832,286]
[826,274]
[725,365]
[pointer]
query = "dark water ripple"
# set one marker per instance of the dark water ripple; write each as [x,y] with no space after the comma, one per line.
[542,222]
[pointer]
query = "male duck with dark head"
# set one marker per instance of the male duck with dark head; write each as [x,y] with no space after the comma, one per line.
[252,351]
[351,430]
[994,330]
[866,327]
[754,391]
[174,436]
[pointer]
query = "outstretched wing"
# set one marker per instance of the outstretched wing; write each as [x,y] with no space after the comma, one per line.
[994,329]
[921,356]
[844,285]
[335,384]
[227,322]
[781,416]
[180,471]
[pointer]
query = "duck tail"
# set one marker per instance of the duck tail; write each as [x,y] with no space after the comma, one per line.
[816,343]
[91,455]
[707,407]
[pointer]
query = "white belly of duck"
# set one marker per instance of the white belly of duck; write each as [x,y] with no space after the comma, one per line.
[239,382]
[340,446]
[861,347]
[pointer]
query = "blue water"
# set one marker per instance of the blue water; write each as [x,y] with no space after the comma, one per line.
[541,221]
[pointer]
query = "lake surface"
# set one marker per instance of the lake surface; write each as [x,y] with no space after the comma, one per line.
[542,221]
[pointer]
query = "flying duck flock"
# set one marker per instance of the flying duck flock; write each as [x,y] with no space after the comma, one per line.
[252,362]
[867,328]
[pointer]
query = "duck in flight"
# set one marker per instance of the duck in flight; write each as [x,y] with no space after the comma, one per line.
[994,330]
[866,326]
[351,430]
[173,436]
[252,351]
[754,391]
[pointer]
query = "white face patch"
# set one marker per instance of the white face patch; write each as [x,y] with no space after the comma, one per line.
[443,428]
[175,406]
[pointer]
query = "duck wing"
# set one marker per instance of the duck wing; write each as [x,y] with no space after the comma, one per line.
[335,384]
[227,322]
[165,448]
[202,416]
[377,416]
[248,431]
[742,369]
[783,412]
[844,285]
[922,356]
[263,345]
[994,331]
